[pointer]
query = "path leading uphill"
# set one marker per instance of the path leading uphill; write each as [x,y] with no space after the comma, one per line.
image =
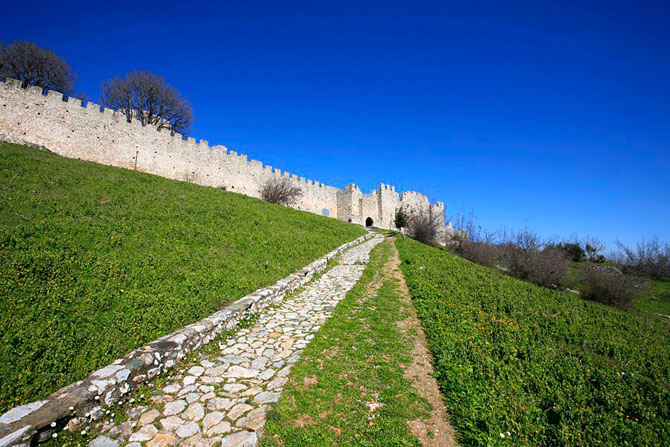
[222,398]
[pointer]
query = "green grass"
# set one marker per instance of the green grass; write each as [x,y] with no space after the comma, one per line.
[97,261]
[657,298]
[547,366]
[353,360]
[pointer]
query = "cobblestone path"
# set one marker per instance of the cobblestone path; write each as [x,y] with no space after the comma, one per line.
[221,399]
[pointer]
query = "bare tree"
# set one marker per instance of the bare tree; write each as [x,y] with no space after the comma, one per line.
[147,97]
[472,242]
[650,258]
[82,96]
[33,65]
[424,226]
[280,191]
[465,226]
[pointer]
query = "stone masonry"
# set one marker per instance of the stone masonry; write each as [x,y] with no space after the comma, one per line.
[69,128]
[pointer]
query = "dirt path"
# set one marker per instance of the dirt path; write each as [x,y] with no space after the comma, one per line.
[435,431]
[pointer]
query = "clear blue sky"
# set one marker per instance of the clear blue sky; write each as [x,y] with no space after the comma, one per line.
[554,115]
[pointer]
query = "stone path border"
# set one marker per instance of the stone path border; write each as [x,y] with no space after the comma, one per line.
[84,399]
[221,396]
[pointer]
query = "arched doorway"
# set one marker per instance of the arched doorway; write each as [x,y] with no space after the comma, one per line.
[369,222]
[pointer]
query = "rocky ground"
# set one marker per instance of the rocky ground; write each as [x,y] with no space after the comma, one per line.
[221,398]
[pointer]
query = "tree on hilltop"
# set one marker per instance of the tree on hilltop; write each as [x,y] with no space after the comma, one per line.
[593,248]
[145,96]
[33,65]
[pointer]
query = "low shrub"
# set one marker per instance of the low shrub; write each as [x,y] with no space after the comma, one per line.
[543,267]
[609,286]
[400,220]
[481,253]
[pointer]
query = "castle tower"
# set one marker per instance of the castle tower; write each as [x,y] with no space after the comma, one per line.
[349,204]
[387,201]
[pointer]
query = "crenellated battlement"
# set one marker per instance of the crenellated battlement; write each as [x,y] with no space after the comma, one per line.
[66,126]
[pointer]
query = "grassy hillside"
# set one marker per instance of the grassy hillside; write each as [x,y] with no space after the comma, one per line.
[656,300]
[545,366]
[97,261]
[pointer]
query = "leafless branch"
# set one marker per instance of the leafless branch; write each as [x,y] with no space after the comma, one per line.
[280,191]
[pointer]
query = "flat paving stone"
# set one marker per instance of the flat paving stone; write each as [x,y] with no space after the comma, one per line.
[176,407]
[103,441]
[144,434]
[241,439]
[171,423]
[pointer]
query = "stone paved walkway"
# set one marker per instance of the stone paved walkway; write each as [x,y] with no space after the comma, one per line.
[222,398]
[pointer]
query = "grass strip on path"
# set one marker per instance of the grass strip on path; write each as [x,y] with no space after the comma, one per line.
[523,365]
[97,261]
[348,386]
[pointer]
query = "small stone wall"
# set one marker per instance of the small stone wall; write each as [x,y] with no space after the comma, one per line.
[36,421]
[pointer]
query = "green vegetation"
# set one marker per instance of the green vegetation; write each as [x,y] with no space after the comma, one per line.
[546,366]
[657,298]
[97,261]
[353,364]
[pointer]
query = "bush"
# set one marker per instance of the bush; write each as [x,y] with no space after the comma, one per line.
[528,258]
[471,242]
[650,258]
[605,286]
[424,226]
[280,191]
[482,253]
[400,220]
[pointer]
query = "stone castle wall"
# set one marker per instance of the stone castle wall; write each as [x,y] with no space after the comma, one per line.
[69,128]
